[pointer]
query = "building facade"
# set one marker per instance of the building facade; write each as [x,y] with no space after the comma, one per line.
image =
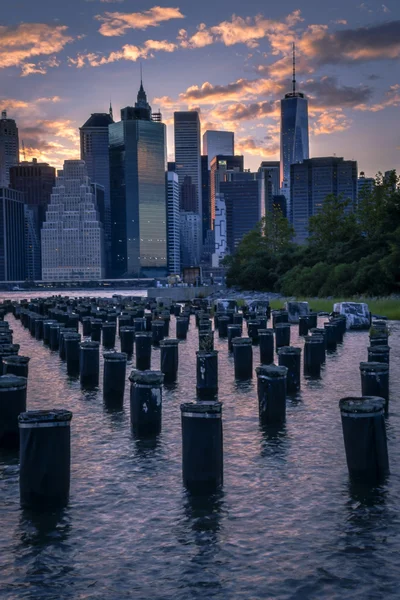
[188,151]
[205,196]
[190,239]
[73,234]
[173,224]
[220,164]
[312,181]
[36,181]
[244,195]
[12,235]
[220,234]
[9,148]
[218,142]
[138,192]
[294,133]
[94,151]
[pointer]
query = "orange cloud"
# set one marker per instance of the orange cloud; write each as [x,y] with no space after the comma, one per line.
[29,40]
[127,52]
[332,121]
[117,23]
[250,145]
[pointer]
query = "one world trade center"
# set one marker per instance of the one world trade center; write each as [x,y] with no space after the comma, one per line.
[294,134]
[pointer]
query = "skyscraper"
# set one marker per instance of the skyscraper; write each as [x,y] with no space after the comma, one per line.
[138,192]
[220,164]
[173,224]
[94,151]
[9,148]
[12,235]
[190,239]
[36,181]
[219,231]
[294,133]
[188,151]
[72,235]
[205,196]
[218,142]
[312,181]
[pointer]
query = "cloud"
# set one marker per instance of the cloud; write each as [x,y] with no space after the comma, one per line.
[332,121]
[250,145]
[391,99]
[247,112]
[237,91]
[127,52]
[243,30]
[28,40]
[326,92]
[117,23]
[376,42]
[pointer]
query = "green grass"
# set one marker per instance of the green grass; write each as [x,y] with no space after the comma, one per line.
[386,307]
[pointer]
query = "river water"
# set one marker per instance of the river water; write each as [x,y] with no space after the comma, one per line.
[287,525]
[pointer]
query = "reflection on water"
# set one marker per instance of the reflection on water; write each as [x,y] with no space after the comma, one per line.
[287,524]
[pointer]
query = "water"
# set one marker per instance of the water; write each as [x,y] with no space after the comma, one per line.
[287,525]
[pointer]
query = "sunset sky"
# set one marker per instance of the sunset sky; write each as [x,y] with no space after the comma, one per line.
[62,60]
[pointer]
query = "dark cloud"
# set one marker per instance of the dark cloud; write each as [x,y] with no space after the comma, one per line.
[327,92]
[375,42]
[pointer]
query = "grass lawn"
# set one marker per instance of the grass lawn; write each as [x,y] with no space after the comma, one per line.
[386,307]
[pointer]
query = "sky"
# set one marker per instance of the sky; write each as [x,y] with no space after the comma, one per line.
[231,60]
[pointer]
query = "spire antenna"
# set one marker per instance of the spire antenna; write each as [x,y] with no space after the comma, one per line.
[141,74]
[294,68]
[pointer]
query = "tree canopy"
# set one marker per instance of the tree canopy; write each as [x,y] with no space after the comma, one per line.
[350,250]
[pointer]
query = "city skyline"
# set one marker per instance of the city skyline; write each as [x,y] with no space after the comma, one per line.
[70,63]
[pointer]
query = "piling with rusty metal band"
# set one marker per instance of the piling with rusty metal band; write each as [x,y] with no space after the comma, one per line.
[109,334]
[331,336]
[290,358]
[89,363]
[303,325]
[234,331]
[364,434]
[243,358]
[86,326]
[375,380]
[114,376]
[207,374]
[266,346]
[271,390]
[45,458]
[16,365]
[223,322]
[39,328]
[54,341]
[146,401]
[95,330]
[169,359]
[202,446]
[157,330]
[379,354]
[314,352]
[252,330]
[282,335]
[12,403]
[143,350]
[312,320]
[61,344]
[279,316]
[72,343]
[181,328]
[238,319]
[139,324]
[127,339]
[7,350]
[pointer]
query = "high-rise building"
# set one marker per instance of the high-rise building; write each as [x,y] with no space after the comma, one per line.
[9,148]
[73,234]
[220,164]
[190,239]
[244,195]
[36,180]
[270,170]
[94,151]
[365,184]
[188,151]
[188,195]
[312,181]
[12,235]
[205,196]
[220,249]
[294,133]
[173,224]
[218,142]
[138,195]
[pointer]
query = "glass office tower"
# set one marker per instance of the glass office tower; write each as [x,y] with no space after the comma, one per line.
[138,193]
[294,133]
